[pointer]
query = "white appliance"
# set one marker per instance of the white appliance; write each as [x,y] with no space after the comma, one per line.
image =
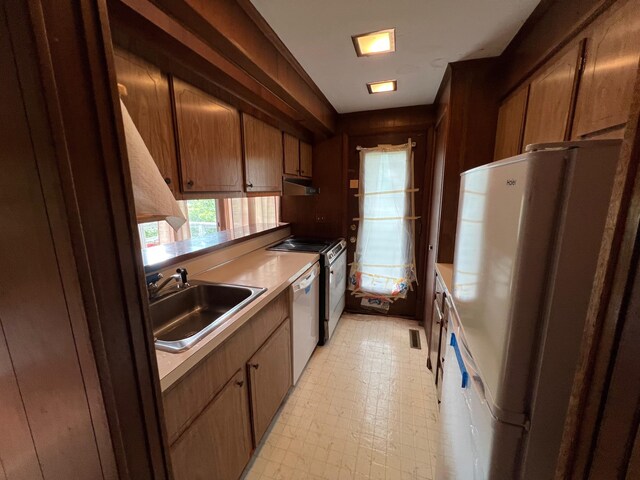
[336,288]
[305,296]
[528,237]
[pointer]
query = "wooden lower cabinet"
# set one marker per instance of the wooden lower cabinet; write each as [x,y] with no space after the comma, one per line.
[217,445]
[270,378]
[229,397]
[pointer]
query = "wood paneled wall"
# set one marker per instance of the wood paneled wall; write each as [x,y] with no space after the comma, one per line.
[467,102]
[75,336]
[48,393]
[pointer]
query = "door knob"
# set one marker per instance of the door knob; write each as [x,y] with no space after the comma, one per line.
[255,365]
[249,185]
[190,183]
[352,239]
[353,227]
[240,383]
[167,180]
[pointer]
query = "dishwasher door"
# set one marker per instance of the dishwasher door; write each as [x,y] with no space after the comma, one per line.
[305,295]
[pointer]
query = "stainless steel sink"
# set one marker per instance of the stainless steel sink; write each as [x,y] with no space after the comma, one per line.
[182,318]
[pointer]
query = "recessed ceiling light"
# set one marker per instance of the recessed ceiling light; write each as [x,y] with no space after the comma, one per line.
[381,87]
[373,43]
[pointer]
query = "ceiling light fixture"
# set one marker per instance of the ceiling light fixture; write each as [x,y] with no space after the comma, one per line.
[374,43]
[381,87]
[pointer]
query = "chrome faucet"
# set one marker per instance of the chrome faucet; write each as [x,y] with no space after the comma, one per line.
[180,277]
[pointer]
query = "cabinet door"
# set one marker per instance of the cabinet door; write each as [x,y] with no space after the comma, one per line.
[149,103]
[270,378]
[291,155]
[209,140]
[434,339]
[306,160]
[606,87]
[511,125]
[217,445]
[262,156]
[550,99]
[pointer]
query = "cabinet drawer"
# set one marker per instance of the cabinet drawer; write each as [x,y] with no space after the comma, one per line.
[184,401]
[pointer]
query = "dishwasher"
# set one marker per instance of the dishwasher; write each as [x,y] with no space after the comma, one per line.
[305,296]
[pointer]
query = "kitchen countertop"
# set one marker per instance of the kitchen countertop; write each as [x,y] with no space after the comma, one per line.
[272,270]
[445,270]
[162,256]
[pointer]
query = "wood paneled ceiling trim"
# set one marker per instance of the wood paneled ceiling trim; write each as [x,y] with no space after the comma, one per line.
[247,45]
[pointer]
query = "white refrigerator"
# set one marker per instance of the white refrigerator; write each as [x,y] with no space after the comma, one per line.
[528,236]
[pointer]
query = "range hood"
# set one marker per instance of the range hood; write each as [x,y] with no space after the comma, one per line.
[298,186]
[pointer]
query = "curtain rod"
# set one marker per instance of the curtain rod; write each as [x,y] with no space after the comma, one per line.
[413,144]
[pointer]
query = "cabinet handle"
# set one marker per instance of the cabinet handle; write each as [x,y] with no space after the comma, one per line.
[255,365]
[190,183]
[167,180]
[240,383]
[249,185]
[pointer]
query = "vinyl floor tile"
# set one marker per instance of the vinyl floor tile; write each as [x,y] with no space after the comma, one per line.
[364,408]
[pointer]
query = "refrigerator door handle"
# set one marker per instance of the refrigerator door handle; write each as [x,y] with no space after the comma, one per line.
[463,368]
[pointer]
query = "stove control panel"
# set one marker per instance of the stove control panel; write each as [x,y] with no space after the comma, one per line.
[336,250]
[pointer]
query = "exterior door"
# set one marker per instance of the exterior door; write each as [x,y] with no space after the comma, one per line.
[402,307]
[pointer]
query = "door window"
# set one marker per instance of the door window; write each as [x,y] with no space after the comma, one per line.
[384,264]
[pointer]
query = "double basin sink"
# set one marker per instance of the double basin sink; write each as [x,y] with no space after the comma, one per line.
[182,318]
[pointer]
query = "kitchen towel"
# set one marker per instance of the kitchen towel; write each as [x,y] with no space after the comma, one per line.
[153,199]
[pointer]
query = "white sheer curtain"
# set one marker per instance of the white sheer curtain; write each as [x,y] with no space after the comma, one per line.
[384,264]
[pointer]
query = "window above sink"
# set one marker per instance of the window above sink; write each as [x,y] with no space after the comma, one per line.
[207,217]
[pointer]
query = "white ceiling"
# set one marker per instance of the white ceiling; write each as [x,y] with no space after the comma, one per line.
[429,34]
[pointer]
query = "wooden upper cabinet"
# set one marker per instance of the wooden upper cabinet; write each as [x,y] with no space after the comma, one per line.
[270,378]
[550,99]
[606,87]
[149,104]
[217,445]
[210,143]
[291,155]
[306,160]
[263,156]
[511,125]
